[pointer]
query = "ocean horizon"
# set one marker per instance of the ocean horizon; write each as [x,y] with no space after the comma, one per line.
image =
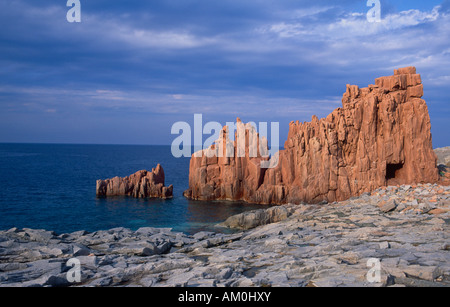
[52,186]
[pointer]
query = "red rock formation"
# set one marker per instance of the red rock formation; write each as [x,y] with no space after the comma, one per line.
[142,184]
[219,176]
[381,136]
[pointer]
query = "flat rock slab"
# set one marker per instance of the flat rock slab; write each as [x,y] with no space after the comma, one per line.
[337,244]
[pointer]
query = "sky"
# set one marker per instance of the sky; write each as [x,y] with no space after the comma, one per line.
[131,69]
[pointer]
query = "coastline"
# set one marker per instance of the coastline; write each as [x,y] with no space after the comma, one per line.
[406,228]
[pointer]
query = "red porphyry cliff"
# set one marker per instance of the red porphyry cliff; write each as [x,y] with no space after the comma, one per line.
[381,136]
[142,184]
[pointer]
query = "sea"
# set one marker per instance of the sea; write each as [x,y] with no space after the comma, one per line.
[52,187]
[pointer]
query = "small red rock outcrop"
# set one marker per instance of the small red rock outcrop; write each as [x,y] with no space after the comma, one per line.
[381,136]
[142,184]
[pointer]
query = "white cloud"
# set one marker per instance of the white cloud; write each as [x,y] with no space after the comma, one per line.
[439,81]
[353,24]
[95,28]
[177,96]
[308,11]
[211,102]
[359,26]
[161,39]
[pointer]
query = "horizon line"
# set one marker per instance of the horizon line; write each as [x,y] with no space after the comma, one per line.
[104,144]
[75,143]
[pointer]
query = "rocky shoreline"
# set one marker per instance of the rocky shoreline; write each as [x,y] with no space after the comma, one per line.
[405,228]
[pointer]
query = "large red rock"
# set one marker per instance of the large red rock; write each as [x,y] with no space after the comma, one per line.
[219,176]
[381,136]
[142,184]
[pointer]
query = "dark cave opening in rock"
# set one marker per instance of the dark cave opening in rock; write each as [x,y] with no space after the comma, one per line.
[392,173]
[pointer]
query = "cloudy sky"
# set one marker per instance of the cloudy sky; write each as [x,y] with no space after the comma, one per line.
[131,69]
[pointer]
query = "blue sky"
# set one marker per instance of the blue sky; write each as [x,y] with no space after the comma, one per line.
[131,69]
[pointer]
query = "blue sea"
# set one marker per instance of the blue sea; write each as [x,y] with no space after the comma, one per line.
[52,187]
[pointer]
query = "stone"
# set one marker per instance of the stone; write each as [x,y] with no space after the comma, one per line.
[202,235]
[6,267]
[388,206]
[429,273]
[255,218]
[402,206]
[136,248]
[90,262]
[52,252]
[74,235]
[163,248]
[385,245]
[80,250]
[147,231]
[348,258]
[100,282]
[142,184]
[437,211]
[36,270]
[149,281]
[425,208]
[443,155]
[32,255]
[13,230]
[57,281]
[274,242]
[381,136]
[39,235]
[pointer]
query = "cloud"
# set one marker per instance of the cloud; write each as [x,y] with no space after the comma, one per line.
[351,25]
[402,38]
[359,26]
[286,59]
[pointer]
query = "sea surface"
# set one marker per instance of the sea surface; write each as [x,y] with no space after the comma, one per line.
[52,187]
